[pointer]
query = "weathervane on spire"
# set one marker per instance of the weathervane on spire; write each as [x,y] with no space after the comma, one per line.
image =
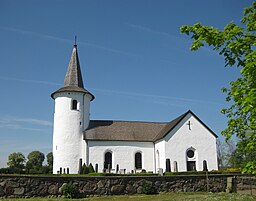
[75,41]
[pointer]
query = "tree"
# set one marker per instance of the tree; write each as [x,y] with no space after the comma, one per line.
[221,154]
[49,157]
[16,162]
[90,168]
[35,161]
[237,45]
[240,157]
[225,151]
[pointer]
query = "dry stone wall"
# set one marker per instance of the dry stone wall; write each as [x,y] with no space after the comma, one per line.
[38,186]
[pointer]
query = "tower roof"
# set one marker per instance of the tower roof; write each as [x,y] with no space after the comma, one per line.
[74,75]
[73,80]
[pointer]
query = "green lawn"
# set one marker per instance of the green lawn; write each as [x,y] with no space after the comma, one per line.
[159,197]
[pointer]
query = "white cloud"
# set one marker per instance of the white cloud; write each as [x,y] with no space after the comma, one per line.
[139,96]
[29,81]
[32,121]
[184,39]
[156,98]
[31,33]
[149,30]
[49,37]
[24,123]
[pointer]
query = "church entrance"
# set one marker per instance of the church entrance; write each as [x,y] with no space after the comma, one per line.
[191,159]
[108,161]
[191,165]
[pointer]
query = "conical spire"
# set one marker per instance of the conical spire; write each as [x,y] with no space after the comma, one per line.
[74,75]
[73,80]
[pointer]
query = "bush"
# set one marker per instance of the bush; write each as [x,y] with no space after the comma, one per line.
[141,174]
[103,174]
[85,169]
[90,168]
[184,173]
[39,170]
[12,170]
[148,188]
[233,170]
[5,171]
[68,190]
[223,171]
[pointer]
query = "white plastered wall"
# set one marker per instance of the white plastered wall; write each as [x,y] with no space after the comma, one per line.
[180,139]
[160,155]
[68,144]
[123,154]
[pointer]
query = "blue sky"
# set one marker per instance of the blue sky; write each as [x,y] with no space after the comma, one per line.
[133,59]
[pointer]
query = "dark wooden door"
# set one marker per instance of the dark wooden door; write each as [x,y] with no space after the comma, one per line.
[191,166]
[108,160]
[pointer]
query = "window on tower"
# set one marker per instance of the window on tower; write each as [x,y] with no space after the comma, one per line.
[74,104]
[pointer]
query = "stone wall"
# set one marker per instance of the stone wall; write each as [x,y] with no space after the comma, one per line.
[40,186]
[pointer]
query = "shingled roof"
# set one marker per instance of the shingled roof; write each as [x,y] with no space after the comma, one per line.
[73,80]
[133,131]
[123,130]
[171,125]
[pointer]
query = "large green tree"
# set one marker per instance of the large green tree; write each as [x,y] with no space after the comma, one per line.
[237,45]
[16,162]
[49,157]
[35,159]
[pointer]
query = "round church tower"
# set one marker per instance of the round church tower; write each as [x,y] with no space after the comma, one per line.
[71,118]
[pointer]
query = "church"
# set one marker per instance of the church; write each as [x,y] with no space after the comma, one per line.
[183,144]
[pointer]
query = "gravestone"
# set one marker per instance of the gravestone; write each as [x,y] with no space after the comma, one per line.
[205,166]
[80,166]
[96,167]
[175,166]
[160,171]
[117,168]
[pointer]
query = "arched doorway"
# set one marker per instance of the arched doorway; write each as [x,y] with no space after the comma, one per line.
[108,160]
[191,159]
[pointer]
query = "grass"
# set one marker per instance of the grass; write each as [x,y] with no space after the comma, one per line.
[198,196]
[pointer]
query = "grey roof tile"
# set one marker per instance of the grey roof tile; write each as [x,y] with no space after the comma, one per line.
[122,130]
[133,131]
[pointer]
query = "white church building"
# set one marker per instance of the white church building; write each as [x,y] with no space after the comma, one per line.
[183,144]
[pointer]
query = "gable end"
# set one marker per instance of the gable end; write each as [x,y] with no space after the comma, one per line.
[171,125]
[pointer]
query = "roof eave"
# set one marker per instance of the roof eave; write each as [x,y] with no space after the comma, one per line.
[119,140]
[183,116]
[76,89]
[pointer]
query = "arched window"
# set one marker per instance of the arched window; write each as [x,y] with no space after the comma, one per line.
[108,160]
[138,161]
[74,104]
[157,159]
[167,165]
